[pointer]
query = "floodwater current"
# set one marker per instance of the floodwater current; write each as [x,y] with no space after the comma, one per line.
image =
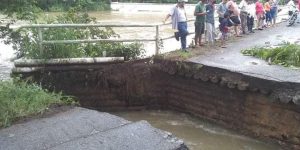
[196,133]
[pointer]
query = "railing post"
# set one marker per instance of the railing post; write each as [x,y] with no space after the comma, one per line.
[40,41]
[157,41]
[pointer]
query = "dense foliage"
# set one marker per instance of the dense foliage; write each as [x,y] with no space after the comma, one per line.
[285,54]
[25,41]
[63,5]
[28,9]
[19,99]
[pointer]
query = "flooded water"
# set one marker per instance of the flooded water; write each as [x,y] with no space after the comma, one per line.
[6,54]
[197,134]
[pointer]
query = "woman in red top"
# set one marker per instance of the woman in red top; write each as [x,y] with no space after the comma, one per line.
[259,8]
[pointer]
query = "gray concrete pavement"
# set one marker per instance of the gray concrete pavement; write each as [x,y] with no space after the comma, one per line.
[232,59]
[80,128]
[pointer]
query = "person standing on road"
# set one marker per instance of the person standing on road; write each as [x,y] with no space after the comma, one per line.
[268,13]
[210,22]
[179,22]
[259,14]
[274,10]
[199,22]
[235,16]
[251,15]
[243,6]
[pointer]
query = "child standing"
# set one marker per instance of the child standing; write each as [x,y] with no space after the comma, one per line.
[224,28]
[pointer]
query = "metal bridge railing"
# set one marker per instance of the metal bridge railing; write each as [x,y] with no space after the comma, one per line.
[156,38]
[42,42]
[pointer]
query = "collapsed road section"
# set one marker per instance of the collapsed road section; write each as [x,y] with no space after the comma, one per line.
[261,108]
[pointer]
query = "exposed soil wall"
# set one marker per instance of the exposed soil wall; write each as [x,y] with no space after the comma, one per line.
[260,108]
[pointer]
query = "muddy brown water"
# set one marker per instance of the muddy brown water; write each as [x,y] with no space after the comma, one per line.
[197,134]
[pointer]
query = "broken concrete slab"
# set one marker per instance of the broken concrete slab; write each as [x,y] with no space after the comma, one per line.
[77,126]
[133,136]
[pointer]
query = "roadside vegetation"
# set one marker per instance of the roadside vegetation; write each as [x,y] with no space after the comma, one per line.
[26,9]
[64,5]
[19,99]
[285,54]
[25,40]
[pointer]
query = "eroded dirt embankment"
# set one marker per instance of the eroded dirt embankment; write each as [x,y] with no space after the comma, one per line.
[260,108]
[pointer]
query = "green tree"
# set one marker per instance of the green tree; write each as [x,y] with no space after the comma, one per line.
[23,9]
[25,41]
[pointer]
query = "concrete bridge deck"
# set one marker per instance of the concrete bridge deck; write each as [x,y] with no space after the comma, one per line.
[232,59]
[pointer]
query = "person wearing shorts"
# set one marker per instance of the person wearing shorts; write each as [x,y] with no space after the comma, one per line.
[234,17]
[199,22]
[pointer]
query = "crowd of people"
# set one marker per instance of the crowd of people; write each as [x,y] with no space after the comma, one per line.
[239,17]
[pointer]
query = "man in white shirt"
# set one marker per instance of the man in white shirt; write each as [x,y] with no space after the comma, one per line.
[179,22]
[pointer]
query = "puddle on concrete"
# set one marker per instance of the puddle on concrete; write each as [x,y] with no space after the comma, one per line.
[197,134]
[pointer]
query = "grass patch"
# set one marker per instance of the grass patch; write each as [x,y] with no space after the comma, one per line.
[184,55]
[19,99]
[285,54]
